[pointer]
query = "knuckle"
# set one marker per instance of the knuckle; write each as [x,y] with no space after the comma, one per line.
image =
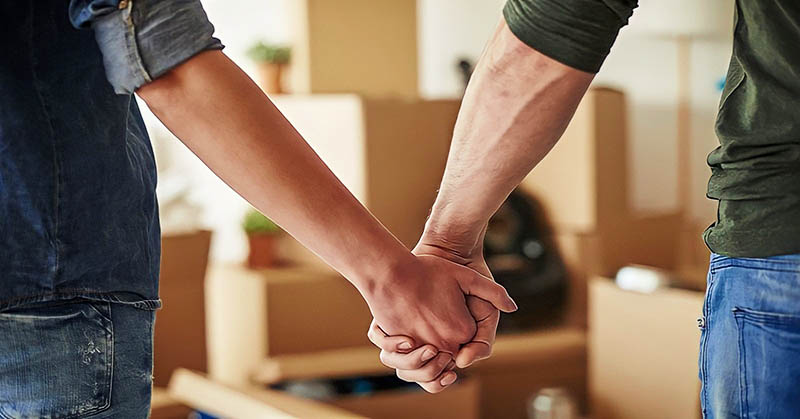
[428,373]
[460,334]
[465,332]
[433,369]
[413,364]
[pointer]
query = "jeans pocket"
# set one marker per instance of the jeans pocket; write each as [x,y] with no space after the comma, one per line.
[769,350]
[56,361]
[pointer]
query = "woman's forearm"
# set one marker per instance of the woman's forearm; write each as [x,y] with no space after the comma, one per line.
[219,113]
[517,105]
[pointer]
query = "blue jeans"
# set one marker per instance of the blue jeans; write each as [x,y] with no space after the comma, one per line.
[76,360]
[750,342]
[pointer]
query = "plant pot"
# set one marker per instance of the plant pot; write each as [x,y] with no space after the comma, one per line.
[263,250]
[271,77]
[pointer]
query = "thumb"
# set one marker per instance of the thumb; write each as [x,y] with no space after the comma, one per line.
[484,288]
[480,347]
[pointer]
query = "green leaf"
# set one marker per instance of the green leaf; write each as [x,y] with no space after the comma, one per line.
[270,53]
[256,223]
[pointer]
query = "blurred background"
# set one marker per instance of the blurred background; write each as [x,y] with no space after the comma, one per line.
[600,245]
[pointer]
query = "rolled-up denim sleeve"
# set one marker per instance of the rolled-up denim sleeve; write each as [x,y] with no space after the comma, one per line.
[142,40]
[577,33]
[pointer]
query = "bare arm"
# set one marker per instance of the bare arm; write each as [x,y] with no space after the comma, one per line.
[225,119]
[217,111]
[517,105]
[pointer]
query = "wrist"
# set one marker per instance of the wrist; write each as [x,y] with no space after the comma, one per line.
[376,279]
[452,233]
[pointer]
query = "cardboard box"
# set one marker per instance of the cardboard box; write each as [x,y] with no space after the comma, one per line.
[521,365]
[389,153]
[163,406]
[258,314]
[693,256]
[649,240]
[380,57]
[583,181]
[459,401]
[583,184]
[210,396]
[643,352]
[353,361]
[202,393]
[180,329]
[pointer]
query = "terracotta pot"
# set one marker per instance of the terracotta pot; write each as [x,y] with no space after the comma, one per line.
[271,77]
[263,250]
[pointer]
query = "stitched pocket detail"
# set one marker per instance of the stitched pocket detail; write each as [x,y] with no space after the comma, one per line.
[769,370]
[56,361]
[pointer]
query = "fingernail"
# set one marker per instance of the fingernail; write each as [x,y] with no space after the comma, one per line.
[450,365]
[404,346]
[428,354]
[514,303]
[448,379]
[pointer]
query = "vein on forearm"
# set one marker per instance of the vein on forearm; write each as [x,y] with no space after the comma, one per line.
[517,105]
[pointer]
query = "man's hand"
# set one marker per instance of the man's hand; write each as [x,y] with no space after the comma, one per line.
[426,300]
[518,103]
[419,365]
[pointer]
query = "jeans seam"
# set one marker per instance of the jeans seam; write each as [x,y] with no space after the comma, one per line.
[743,407]
[730,263]
[704,345]
[111,364]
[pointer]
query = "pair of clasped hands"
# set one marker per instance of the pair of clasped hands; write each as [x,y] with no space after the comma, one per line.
[440,313]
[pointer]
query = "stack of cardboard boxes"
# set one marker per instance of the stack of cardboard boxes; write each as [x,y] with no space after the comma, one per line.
[583,185]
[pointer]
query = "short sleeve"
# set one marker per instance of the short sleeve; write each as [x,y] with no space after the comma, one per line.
[577,33]
[142,40]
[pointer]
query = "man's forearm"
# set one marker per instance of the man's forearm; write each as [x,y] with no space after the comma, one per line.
[217,111]
[517,105]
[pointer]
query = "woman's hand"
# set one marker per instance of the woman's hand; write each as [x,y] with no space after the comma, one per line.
[426,299]
[433,373]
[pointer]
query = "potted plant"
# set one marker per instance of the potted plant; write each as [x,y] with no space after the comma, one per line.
[271,60]
[262,235]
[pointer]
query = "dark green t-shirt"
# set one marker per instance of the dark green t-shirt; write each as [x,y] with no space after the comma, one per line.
[756,169]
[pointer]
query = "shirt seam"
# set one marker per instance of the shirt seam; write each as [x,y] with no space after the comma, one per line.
[38,85]
[133,46]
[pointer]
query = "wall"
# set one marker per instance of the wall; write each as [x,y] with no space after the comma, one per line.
[450,30]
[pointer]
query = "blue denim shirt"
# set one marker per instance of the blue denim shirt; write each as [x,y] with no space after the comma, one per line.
[78,211]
